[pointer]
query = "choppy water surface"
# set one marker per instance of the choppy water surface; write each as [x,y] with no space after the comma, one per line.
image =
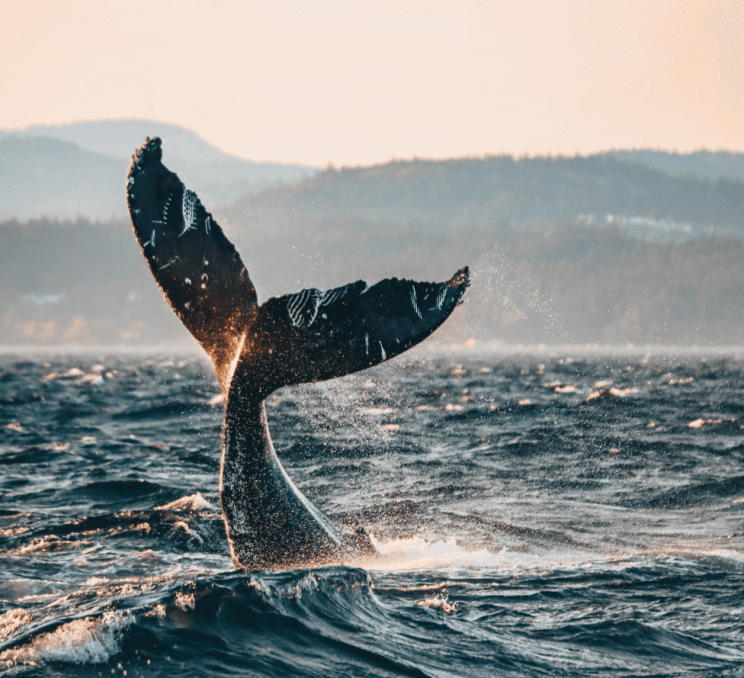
[538,515]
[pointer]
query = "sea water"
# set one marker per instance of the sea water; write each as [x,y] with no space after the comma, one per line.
[549,513]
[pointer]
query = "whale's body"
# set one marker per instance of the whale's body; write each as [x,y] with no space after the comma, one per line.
[304,337]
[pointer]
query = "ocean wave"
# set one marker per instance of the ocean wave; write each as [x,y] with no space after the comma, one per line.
[555,538]
[90,640]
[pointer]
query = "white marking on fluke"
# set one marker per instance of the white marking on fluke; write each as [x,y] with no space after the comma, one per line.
[382,348]
[413,302]
[166,207]
[304,305]
[189,210]
[296,305]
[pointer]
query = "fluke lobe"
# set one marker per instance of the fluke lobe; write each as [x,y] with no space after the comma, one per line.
[304,337]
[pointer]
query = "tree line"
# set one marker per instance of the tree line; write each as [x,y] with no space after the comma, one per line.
[87,282]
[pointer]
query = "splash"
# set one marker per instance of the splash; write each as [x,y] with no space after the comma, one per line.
[12,620]
[91,640]
[439,602]
[192,502]
[417,553]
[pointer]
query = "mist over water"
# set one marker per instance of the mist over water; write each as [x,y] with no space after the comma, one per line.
[572,514]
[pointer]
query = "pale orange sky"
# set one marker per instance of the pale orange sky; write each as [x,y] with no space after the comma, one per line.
[354,82]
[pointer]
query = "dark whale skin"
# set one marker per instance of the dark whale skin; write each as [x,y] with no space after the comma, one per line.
[309,336]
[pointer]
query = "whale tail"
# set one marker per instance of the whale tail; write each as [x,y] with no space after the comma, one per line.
[308,336]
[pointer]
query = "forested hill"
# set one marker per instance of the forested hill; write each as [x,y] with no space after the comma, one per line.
[702,163]
[483,192]
[584,249]
[88,283]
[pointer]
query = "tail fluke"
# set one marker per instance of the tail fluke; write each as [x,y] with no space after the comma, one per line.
[303,337]
[314,335]
[195,265]
[297,338]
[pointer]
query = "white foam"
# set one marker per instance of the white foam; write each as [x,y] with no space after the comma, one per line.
[192,502]
[439,602]
[376,411]
[91,640]
[12,620]
[93,377]
[416,553]
[687,380]
[623,392]
[185,601]
[699,423]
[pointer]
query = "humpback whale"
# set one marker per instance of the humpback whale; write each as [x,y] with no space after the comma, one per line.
[309,336]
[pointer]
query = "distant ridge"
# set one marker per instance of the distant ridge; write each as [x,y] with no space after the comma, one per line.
[703,163]
[529,194]
[41,176]
[79,168]
[115,138]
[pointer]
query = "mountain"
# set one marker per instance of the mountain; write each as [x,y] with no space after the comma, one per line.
[88,283]
[528,193]
[80,168]
[118,138]
[702,163]
[583,249]
[43,176]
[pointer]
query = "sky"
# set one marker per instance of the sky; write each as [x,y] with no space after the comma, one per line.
[361,82]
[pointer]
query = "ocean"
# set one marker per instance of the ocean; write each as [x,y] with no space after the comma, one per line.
[556,512]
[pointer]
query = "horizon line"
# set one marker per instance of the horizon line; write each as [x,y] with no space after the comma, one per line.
[524,155]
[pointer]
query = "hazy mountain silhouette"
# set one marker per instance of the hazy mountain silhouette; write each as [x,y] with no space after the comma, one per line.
[481,192]
[702,163]
[119,138]
[79,169]
[44,176]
